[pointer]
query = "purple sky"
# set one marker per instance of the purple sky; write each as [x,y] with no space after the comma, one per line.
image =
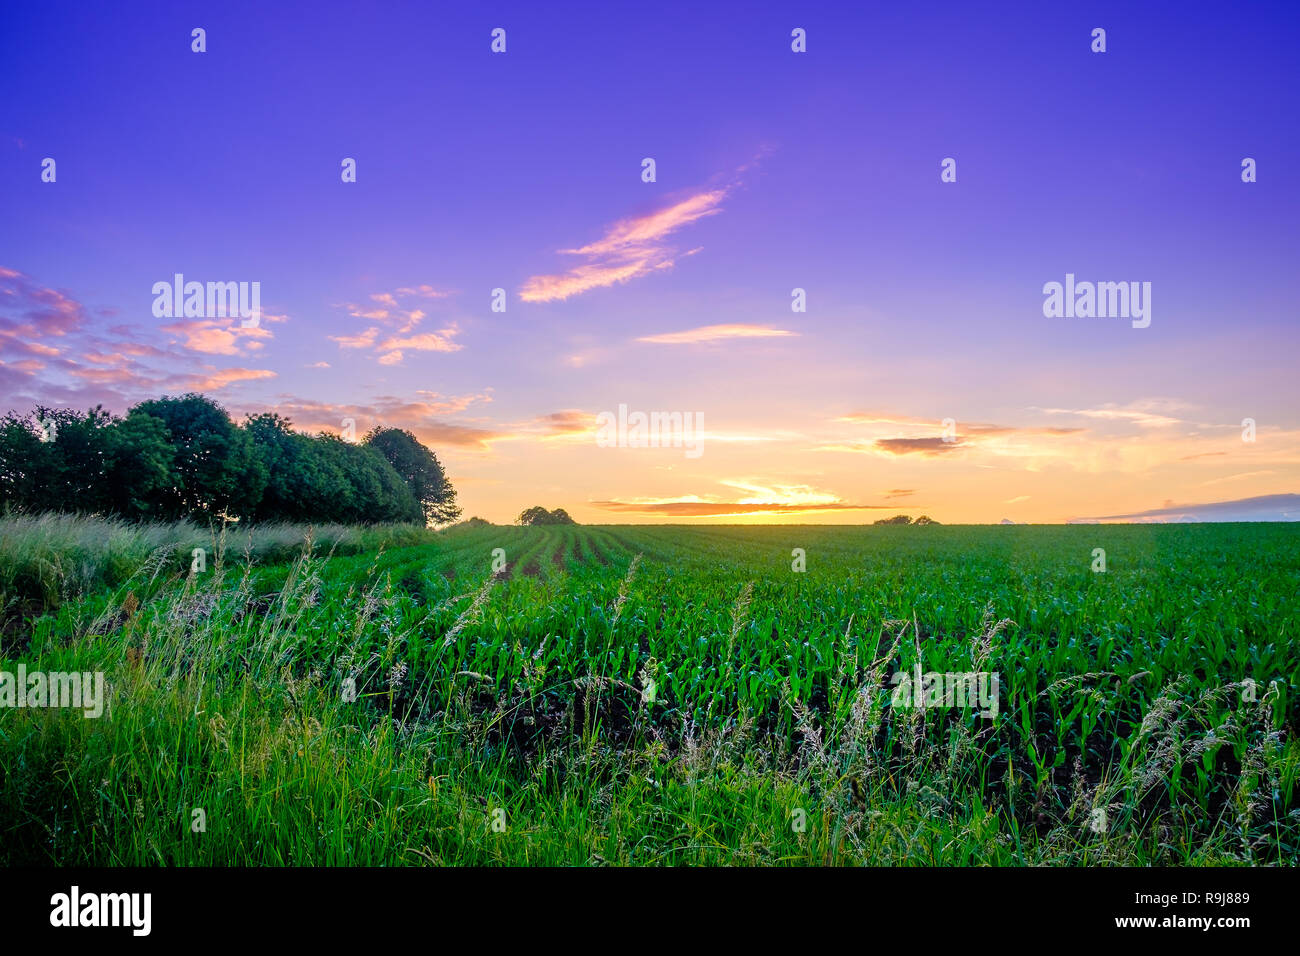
[775,170]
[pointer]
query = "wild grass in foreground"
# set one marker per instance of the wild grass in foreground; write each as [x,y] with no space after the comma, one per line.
[50,558]
[672,695]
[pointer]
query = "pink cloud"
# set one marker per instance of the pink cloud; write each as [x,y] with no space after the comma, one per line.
[714,333]
[631,248]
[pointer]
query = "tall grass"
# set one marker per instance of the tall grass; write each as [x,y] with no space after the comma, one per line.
[50,558]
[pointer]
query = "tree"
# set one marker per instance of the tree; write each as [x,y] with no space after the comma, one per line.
[897,519]
[924,519]
[420,469]
[379,491]
[76,480]
[53,459]
[184,458]
[539,515]
[138,466]
[24,461]
[217,472]
[283,456]
[534,515]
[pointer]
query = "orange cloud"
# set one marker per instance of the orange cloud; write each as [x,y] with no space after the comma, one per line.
[440,341]
[214,338]
[362,341]
[580,280]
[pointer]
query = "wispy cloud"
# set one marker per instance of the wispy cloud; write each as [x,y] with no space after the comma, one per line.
[440,341]
[1147,413]
[945,439]
[916,446]
[629,249]
[715,333]
[391,313]
[424,291]
[1239,476]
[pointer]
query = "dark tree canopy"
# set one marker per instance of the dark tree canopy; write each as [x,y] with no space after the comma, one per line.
[185,458]
[215,469]
[55,458]
[138,466]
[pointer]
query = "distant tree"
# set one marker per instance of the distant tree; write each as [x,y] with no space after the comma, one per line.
[539,515]
[925,519]
[897,519]
[420,469]
[534,515]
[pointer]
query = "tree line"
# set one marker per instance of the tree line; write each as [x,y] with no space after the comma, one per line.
[184,457]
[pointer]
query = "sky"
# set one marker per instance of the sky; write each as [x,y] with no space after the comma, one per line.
[923,375]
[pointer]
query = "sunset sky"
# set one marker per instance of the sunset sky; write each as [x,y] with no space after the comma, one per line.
[775,170]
